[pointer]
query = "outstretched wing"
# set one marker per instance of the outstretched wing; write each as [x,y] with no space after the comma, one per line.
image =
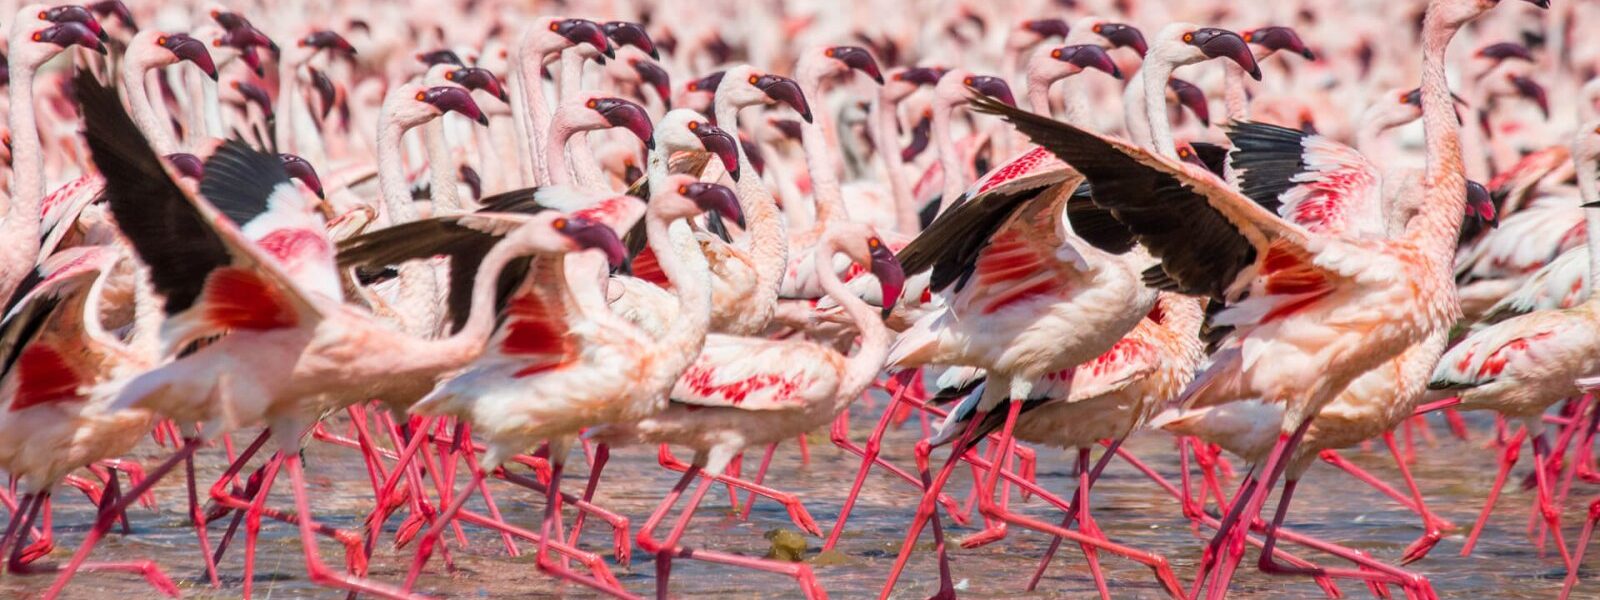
[1315,182]
[756,374]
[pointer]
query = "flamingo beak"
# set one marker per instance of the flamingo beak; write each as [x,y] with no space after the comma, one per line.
[632,34]
[1088,56]
[116,9]
[1124,36]
[584,31]
[625,114]
[890,275]
[1480,204]
[68,34]
[859,59]
[1280,39]
[787,91]
[919,139]
[299,168]
[328,40]
[920,75]
[479,78]
[1544,4]
[1221,43]
[1192,98]
[1048,28]
[593,235]
[450,98]
[1530,89]
[718,142]
[76,14]
[993,87]
[254,94]
[657,77]
[325,91]
[192,50]
[187,165]
[441,57]
[715,197]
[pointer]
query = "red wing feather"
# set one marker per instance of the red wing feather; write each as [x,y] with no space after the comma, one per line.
[239,299]
[43,376]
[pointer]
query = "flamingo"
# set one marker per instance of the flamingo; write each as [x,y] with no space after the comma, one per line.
[739,393]
[1295,276]
[1521,366]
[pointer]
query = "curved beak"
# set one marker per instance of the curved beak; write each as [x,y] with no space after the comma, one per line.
[789,128]
[1504,50]
[718,142]
[325,91]
[440,57]
[752,153]
[451,98]
[859,59]
[707,84]
[241,34]
[479,78]
[993,87]
[1279,39]
[1048,28]
[715,197]
[1088,56]
[1544,4]
[593,235]
[629,115]
[115,8]
[1124,36]
[584,31]
[920,75]
[192,50]
[889,273]
[328,40]
[1530,89]
[787,91]
[1480,204]
[919,139]
[257,96]
[5,71]
[187,165]
[68,34]
[470,177]
[1192,98]
[657,77]
[253,60]
[72,13]
[299,168]
[1221,43]
[632,34]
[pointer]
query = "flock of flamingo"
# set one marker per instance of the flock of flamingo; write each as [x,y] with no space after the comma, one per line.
[456,240]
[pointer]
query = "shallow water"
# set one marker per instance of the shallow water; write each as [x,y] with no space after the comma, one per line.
[1453,475]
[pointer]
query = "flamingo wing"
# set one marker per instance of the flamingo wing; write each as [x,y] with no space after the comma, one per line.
[1206,235]
[42,292]
[1561,284]
[1483,357]
[757,374]
[1310,180]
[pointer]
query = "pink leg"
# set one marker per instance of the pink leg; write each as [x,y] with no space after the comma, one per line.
[927,511]
[252,524]
[1372,570]
[797,511]
[1458,425]
[1086,479]
[1234,538]
[623,543]
[1583,545]
[319,573]
[1546,497]
[1433,527]
[761,475]
[1508,459]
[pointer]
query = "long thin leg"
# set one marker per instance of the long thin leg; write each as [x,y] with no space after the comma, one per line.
[1508,459]
[797,511]
[1432,526]
[197,517]
[1276,462]
[926,509]
[318,572]
[761,475]
[1583,545]
[1546,497]
[1373,571]
[1087,480]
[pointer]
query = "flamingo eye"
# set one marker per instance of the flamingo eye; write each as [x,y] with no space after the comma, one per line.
[451,76]
[828,53]
[43,15]
[1188,37]
[754,79]
[161,41]
[1055,53]
[591,103]
[216,43]
[422,96]
[873,243]
[1249,36]
[683,190]
[555,27]
[36,36]
[1097,28]
[967,81]
[694,125]
[559,223]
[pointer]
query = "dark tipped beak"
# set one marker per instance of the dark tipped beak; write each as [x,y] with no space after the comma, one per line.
[245,36]
[1280,39]
[596,236]
[325,91]
[1048,27]
[1504,50]
[790,128]
[1124,36]
[1530,89]
[440,57]
[919,139]
[657,77]
[890,275]
[1089,56]
[1221,43]
[1544,4]
[187,165]
[718,142]
[255,95]
[993,87]
[194,51]
[253,60]
[116,9]
[471,178]
[622,113]
[859,59]
[299,168]
[479,78]
[715,197]
[752,153]
[71,33]
[328,40]
[707,84]
[1480,204]
[632,34]
[785,90]
[584,31]
[1188,155]
[1192,98]
[920,75]
[450,98]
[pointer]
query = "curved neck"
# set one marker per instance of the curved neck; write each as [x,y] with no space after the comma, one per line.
[888,144]
[685,266]
[468,342]
[536,113]
[27,157]
[1039,94]
[555,152]
[213,105]
[440,166]
[862,367]
[949,160]
[1133,110]
[1438,220]
[769,241]
[819,155]
[141,107]
[1156,73]
[391,172]
[1234,93]
[284,126]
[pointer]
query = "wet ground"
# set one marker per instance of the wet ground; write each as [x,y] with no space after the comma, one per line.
[1454,475]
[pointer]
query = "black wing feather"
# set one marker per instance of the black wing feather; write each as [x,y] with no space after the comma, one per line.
[239,179]
[1097,225]
[1266,159]
[951,244]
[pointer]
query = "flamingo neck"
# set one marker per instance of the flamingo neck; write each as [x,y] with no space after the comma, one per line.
[555,152]
[949,161]
[467,343]
[862,367]
[288,90]
[1156,73]
[769,240]
[577,154]
[888,144]
[1133,115]
[392,182]
[536,112]
[212,110]
[1438,220]
[27,166]
[820,160]
[440,166]
[685,266]
[141,107]
[1234,93]
[1039,94]
[1589,189]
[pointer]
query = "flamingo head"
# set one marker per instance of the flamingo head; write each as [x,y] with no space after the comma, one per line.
[1034,31]
[252,94]
[241,33]
[1279,39]
[580,233]
[176,47]
[117,10]
[581,31]
[957,85]
[479,79]
[1191,97]
[1212,42]
[627,33]
[301,169]
[716,141]
[443,56]
[855,58]
[418,104]
[329,40]
[683,196]
[1120,35]
[1504,51]
[1480,205]
[186,165]
[593,111]
[651,73]
[1071,60]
